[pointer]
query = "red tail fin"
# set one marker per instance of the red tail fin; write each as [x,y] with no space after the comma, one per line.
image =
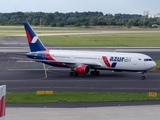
[2,101]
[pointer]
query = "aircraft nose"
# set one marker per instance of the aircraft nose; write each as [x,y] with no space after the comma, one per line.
[154,64]
[151,65]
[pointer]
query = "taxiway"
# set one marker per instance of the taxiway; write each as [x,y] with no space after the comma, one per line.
[23,75]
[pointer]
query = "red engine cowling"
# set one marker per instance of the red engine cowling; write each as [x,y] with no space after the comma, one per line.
[82,69]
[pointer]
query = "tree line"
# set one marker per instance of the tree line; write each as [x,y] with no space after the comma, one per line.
[76,19]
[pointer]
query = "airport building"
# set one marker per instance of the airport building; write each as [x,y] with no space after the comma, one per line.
[154,15]
[145,13]
[150,15]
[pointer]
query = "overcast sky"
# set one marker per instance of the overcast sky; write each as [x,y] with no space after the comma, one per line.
[65,6]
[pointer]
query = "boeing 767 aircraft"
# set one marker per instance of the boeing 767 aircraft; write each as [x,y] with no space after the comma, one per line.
[87,62]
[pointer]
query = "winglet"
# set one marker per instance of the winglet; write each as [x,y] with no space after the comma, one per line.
[2,102]
[34,42]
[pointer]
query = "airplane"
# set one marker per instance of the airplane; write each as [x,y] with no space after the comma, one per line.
[2,101]
[86,62]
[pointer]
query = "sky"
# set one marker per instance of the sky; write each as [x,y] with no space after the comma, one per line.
[65,6]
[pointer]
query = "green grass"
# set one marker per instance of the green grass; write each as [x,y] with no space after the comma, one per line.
[98,40]
[21,27]
[31,97]
[90,40]
[105,40]
[157,66]
[158,63]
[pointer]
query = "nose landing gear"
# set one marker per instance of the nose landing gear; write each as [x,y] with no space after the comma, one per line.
[143,76]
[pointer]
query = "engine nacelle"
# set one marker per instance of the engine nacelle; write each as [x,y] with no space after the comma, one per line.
[82,69]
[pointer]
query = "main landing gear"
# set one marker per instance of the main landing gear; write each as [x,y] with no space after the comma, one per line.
[73,73]
[94,72]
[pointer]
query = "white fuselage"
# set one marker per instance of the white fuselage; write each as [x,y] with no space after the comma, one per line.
[115,60]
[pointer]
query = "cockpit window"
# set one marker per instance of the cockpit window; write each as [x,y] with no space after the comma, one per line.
[148,60]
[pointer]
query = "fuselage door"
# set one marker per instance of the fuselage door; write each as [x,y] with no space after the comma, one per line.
[134,61]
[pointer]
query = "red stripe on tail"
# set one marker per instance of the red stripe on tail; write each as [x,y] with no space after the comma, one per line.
[28,37]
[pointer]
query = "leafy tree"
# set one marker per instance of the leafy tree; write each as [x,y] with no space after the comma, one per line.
[59,24]
[77,24]
[53,24]
[76,19]
[35,22]
[86,24]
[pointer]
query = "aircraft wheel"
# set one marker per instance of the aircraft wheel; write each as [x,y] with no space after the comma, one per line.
[142,77]
[97,72]
[76,74]
[70,73]
[92,72]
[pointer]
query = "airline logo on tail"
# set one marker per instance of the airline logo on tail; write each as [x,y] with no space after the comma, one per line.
[2,101]
[34,39]
[34,42]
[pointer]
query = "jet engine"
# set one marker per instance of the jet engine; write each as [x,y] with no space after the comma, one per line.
[82,69]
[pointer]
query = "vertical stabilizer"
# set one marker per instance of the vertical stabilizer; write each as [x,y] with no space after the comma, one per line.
[2,102]
[34,42]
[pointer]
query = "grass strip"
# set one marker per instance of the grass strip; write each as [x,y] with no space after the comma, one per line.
[158,63]
[95,40]
[105,40]
[31,97]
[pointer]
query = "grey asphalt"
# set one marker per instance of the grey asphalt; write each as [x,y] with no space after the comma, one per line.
[30,76]
[22,75]
[84,105]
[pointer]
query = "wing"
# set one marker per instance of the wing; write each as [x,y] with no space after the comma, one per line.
[68,64]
